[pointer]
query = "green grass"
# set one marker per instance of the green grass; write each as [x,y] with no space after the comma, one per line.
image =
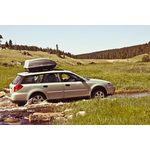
[7,75]
[125,76]
[116,111]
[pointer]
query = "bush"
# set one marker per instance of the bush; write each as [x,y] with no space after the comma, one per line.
[145,58]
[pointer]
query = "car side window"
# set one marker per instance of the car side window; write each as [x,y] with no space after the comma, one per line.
[65,77]
[33,79]
[51,77]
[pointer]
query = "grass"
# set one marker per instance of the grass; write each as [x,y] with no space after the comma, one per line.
[110,111]
[125,76]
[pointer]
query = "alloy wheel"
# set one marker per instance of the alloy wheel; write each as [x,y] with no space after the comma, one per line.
[99,94]
[37,98]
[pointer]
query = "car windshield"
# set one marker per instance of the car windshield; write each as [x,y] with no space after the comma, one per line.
[16,80]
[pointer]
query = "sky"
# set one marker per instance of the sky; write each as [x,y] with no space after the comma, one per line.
[76,39]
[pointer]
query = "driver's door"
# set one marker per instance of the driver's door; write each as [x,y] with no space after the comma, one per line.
[74,86]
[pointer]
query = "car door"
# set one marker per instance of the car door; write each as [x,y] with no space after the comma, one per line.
[73,86]
[52,86]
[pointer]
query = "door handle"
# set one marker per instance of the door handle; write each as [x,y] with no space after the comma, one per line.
[45,86]
[67,84]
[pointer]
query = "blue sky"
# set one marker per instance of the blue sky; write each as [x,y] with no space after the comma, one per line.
[77,39]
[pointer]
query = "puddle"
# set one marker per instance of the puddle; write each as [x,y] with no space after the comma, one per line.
[132,95]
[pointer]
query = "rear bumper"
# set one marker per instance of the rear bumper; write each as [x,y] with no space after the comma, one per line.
[16,97]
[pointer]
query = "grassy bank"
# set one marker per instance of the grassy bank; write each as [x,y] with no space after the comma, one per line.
[116,111]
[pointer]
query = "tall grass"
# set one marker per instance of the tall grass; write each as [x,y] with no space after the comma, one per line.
[7,75]
[124,76]
[118,111]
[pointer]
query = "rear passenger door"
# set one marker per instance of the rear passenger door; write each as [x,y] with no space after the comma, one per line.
[52,86]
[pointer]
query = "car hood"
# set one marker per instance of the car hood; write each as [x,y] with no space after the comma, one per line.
[98,80]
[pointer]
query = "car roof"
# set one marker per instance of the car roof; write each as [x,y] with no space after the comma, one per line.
[43,72]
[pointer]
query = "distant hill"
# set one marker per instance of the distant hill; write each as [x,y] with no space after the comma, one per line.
[121,53]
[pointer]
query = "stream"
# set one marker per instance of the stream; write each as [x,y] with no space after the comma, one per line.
[20,116]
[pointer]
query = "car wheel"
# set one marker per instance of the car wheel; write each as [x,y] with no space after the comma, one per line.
[98,94]
[36,98]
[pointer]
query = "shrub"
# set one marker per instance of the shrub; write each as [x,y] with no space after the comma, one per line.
[145,58]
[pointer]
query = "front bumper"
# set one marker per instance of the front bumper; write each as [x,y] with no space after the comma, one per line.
[111,90]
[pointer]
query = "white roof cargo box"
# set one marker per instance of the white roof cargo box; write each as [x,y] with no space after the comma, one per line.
[40,64]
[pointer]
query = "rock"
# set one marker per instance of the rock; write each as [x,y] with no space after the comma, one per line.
[70,117]
[29,102]
[79,63]
[6,90]
[6,103]
[67,110]
[81,113]
[61,119]
[1,119]
[43,117]
[92,63]
[2,94]
[11,120]
[18,63]
[15,123]
[26,53]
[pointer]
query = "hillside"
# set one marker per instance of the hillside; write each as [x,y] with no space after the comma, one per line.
[14,58]
[122,53]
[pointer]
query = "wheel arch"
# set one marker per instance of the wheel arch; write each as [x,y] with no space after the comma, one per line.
[37,92]
[99,88]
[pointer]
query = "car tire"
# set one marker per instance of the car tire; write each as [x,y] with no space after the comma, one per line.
[98,94]
[36,98]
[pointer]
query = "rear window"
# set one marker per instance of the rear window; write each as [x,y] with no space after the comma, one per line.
[32,79]
[16,80]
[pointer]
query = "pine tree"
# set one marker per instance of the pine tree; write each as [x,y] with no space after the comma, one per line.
[6,44]
[1,38]
[10,43]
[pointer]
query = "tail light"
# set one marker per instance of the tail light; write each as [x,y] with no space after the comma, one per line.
[110,84]
[17,87]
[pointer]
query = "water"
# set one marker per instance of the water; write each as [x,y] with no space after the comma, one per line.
[133,95]
[22,118]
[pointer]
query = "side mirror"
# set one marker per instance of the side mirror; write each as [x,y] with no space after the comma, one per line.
[79,79]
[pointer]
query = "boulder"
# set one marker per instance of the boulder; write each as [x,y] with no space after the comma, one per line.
[70,117]
[6,90]
[92,63]
[11,120]
[79,63]
[2,94]
[15,123]
[81,113]
[44,117]
[67,110]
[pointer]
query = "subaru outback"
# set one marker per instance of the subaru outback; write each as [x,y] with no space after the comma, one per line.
[56,84]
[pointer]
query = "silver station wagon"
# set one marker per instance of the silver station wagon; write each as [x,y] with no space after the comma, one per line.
[57,84]
[42,82]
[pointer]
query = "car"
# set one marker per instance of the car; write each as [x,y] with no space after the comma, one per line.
[56,84]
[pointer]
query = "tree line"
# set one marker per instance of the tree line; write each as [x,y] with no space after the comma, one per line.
[122,53]
[56,51]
